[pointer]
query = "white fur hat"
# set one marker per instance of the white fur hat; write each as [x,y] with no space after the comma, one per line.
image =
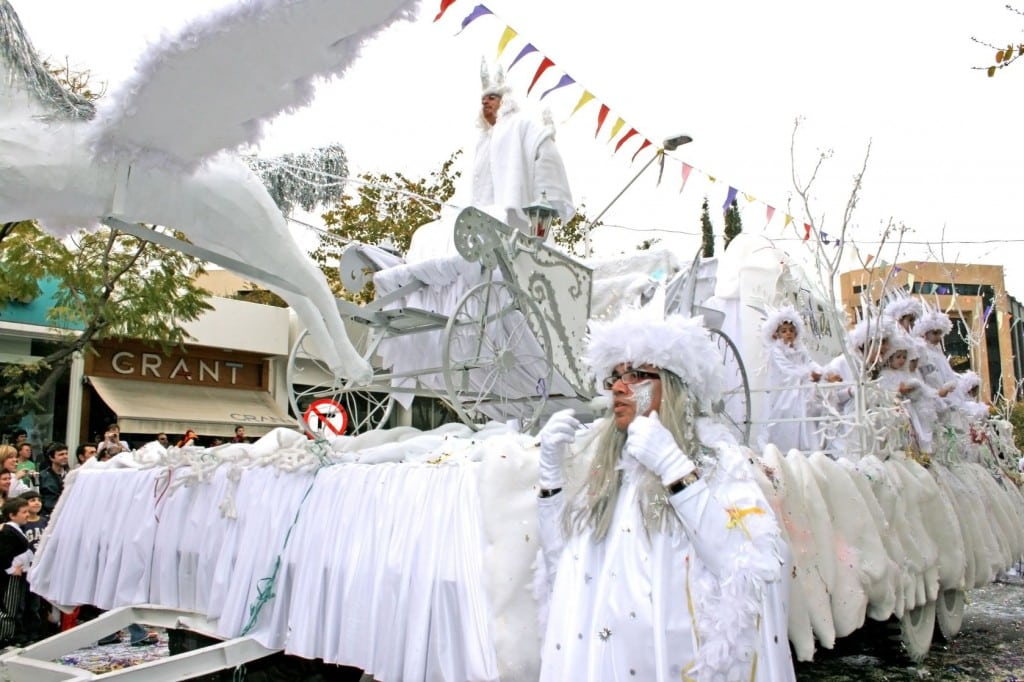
[870,329]
[676,343]
[968,380]
[901,307]
[785,313]
[899,341]
[917,348]
[931,321]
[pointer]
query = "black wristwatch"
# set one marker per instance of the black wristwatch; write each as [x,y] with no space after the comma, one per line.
[680,485]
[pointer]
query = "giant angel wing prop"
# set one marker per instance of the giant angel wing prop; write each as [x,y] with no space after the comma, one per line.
[214,85]
[151,155]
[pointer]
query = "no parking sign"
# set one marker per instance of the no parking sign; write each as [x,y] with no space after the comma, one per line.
[326,414]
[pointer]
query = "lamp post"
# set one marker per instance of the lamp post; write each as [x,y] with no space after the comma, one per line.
[670,144]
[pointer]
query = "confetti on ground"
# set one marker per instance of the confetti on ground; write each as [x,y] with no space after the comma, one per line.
[107,657]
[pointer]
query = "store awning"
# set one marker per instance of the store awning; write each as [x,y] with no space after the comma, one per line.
[147,407]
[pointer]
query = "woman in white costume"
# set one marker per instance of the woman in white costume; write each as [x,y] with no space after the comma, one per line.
[665,562]
[790,373]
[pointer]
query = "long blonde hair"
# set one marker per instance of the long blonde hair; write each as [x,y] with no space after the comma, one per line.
[593,504]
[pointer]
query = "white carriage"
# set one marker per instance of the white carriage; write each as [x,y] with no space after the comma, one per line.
[496,332]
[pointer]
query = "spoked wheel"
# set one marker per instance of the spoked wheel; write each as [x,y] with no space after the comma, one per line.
[310,379]
[949,613]
[497,357]
[734,407]
[916,629]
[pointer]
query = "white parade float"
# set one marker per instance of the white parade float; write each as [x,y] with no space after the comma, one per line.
[410,554]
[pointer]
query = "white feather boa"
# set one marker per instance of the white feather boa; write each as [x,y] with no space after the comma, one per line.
[729,608]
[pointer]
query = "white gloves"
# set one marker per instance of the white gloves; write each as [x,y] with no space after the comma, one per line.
[653,446]
[555,438]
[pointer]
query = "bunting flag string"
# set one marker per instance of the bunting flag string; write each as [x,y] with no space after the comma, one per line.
[564,81]
[602,114]
[509,35]
[545,64]
[629,133]
[616,128]
[506,38]
[445,4]
[729,198]
[478,11]
[686,176]
[527,49]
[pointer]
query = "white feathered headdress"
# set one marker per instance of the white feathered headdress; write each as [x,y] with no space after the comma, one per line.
[902,307]
[872,329]
[786,313]
[899,341]
[917,349]
[492,84]
[676,343]
[931,321]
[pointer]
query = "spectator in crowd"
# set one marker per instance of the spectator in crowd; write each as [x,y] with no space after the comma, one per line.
[18,436]
[188,439]
[215,441]
[84,452]
[112,441]
[5,485]
[18,482]
[27,463]
[14,560]
[239,435]
[162,439]
[36,608]
[51,481]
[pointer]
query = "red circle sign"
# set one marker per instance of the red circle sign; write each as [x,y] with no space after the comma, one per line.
[326,414]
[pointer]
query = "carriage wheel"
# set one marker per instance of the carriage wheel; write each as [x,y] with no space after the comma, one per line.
[497,357]
[916,629]
[949,613]
[734,407]
[367,410]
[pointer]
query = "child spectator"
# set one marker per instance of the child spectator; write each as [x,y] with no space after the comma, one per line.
[36,609]
[790,373]
[15,557]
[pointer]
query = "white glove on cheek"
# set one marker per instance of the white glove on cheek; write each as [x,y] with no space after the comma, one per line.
[555,438]
[653,446]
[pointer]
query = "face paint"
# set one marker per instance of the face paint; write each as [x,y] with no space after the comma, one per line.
[643,396]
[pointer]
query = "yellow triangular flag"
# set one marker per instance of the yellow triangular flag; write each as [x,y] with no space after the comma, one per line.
[584,98]
[616,128]
[506,37]
[789,219]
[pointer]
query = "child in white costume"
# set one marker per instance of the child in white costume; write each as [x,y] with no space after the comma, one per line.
[666,535]
[918,398]
[904,312]
[791,395]
[934,365]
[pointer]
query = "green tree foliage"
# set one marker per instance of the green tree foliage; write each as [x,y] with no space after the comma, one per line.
[733,224]
[707,232]
[111,285]
[383,209]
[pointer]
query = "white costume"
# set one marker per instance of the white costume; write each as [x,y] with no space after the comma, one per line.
[791,393]
[516,165]
[699,596]
[934,365]
[920,401]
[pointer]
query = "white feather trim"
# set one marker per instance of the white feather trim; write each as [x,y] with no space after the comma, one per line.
[870,328]
[676,343]
[931,321]
[774,318]
[896,310]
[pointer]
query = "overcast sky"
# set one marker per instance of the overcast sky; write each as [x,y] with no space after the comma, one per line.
[945,139]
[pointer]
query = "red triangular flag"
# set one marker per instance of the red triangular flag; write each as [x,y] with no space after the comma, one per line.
[645,145]
[601,116]
[545,64]
[445,4]
[629,133]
